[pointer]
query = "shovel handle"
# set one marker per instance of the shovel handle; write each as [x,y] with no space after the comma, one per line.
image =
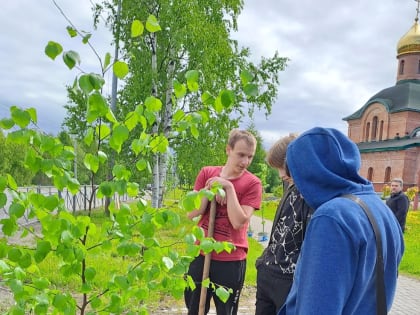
[207,259]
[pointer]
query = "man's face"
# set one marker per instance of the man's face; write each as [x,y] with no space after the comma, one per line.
[395,187]
[240,156]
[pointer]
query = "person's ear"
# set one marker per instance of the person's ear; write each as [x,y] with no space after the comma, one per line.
[286,169]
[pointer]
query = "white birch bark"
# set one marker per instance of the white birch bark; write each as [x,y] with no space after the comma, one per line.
[156,184]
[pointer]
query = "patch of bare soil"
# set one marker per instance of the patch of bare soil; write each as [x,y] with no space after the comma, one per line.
[171,306]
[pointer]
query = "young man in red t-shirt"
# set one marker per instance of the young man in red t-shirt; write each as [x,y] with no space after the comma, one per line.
[233,212]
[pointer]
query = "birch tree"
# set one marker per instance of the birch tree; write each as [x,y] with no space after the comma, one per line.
[194,34]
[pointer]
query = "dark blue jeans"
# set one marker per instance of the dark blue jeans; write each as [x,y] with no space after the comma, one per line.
[272,291]
[229,274]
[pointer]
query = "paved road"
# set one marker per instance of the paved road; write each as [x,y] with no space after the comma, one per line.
[407,298]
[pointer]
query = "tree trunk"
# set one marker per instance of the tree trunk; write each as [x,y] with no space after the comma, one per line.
[167,128]
[113,104]
[156,184]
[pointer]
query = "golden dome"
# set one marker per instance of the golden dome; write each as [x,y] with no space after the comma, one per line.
[410,42]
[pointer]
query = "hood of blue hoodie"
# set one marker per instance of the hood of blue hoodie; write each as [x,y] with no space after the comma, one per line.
[324,164]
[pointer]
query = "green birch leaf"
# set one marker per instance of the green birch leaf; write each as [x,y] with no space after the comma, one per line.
[179,89]
[179,115]
[17,209]
[119,135]
[25,261]
[86,38]
[103,131]
[131,120]
[12,183]
[194,131]
[20,117]
[152,24]
[218,106]
[153,104]
[207,98]
[102,157]
[251,89]
[90,273]
[9,226]
[106,189]
[71,31]
[14,254]
[91,162]
[246,77]
[141,164]
[3,199]
[89,137]
[53,49]
[222,294]
[97,107]
[192,77]
[133,189]
[227,98]
[6,123]
[71,59]
[206,283]
[32,113]
[85,84]
[159,144]
[137,28]
[120,69]
[3,183]
[107,60]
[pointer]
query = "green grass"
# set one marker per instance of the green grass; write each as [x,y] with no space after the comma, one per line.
[410,261]
[255,250]
[268,209]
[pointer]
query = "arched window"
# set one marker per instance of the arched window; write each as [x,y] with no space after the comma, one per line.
[402,67]
[374,128]
[381,130]
[387,177]
[367,131]
[370,174]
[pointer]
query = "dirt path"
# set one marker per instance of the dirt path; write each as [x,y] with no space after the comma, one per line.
[246,305]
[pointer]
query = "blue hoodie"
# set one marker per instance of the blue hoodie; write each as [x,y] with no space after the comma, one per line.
[335,273]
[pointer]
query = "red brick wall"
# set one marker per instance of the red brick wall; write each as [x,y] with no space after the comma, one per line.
[405,163]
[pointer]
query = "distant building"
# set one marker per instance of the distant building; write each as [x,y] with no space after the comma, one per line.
[387,128]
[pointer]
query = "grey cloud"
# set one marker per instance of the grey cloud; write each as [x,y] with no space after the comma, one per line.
[341,54]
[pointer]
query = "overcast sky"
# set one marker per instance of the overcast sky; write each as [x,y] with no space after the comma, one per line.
[341,53]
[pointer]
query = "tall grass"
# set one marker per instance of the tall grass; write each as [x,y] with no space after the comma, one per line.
[410,262]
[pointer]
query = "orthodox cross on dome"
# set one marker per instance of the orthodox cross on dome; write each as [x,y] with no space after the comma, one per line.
[417,10]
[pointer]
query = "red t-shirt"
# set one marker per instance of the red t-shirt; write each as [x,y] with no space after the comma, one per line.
[249,192]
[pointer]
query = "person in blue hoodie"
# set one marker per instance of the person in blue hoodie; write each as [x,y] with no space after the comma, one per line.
[335,273]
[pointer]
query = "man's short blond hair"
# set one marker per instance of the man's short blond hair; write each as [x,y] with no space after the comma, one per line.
[236,135]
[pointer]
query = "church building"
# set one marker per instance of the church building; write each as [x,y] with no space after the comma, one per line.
[387,128]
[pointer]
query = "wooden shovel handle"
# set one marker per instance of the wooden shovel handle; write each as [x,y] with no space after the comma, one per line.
[207,259]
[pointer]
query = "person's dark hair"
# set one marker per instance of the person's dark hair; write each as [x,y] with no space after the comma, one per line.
[276,156]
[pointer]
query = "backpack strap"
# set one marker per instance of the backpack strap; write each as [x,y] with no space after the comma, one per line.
[381,308]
